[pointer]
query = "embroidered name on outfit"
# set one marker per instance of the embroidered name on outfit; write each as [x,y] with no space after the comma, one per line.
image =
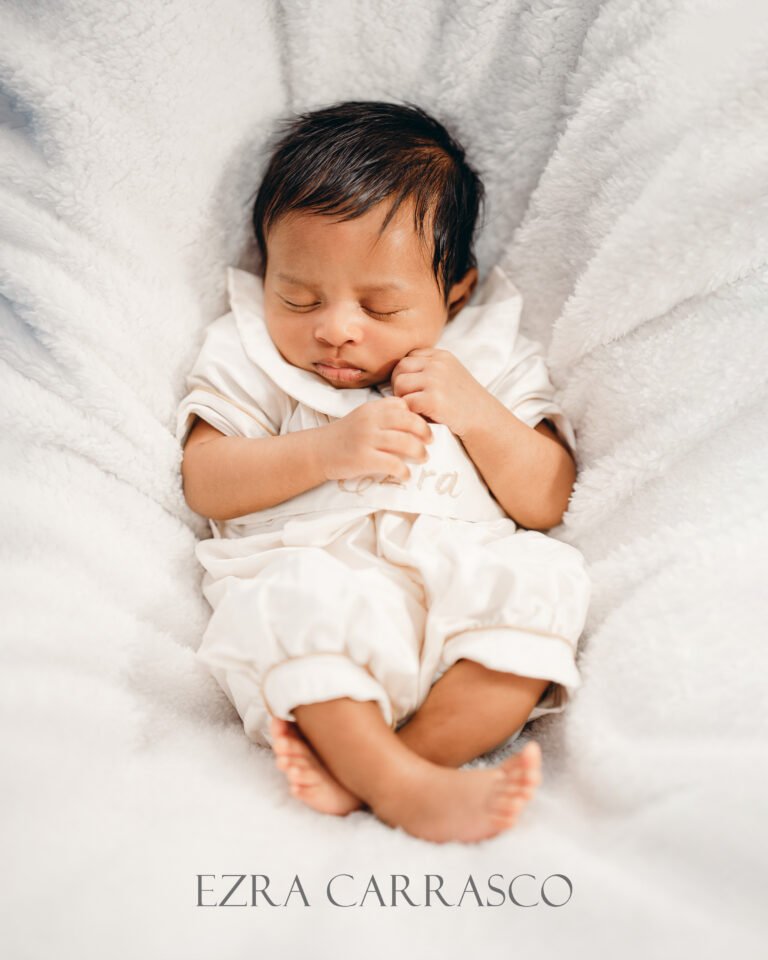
[444,485]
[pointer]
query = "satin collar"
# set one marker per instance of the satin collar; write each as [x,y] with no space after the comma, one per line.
[481,335]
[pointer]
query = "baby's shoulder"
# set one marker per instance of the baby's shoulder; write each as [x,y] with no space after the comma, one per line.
[228,369]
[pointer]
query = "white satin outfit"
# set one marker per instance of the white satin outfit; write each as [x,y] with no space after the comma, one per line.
[370,588]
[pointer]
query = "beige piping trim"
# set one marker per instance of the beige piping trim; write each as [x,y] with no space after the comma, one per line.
[326,653]
[508,626]
[232,403]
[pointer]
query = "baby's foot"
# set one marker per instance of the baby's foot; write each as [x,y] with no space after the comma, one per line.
[441,804]
[309,779]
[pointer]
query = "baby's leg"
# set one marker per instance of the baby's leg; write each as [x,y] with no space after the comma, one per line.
[469,711]
[403,789]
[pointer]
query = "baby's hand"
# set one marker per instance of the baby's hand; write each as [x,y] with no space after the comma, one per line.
[375,438]
[437,385]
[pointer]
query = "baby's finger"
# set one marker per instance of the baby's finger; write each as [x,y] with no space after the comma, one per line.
[408,380]
[404,444]
[424,430]
[418,425]
[406,419]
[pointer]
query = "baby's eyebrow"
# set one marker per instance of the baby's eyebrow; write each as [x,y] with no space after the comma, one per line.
[368,288]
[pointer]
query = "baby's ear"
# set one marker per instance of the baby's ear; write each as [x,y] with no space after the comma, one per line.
[461,291]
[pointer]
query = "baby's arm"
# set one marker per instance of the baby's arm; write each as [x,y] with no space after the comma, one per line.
[226,477]
[530,471]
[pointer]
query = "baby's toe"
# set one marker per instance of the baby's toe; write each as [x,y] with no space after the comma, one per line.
[507,809]
[530,756]
[524,779]
[302,776]
[285,730]
[513,804]
[278,727]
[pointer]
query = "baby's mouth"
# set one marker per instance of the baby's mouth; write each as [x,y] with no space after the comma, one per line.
[339,374]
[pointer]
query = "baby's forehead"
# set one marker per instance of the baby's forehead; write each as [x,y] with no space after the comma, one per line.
[376,242]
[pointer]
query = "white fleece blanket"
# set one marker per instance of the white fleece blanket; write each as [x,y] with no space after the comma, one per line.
[624,145]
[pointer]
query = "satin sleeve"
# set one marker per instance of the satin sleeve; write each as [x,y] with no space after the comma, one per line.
[525,388]
[226,389]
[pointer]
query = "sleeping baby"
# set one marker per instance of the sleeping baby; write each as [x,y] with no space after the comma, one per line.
[379,452]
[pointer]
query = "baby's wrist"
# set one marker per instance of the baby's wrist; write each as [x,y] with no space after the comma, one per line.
[321,449]
[477,417]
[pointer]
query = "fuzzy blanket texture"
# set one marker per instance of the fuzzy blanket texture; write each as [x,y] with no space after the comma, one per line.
[624,145]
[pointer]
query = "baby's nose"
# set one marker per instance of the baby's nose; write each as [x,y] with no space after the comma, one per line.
[337,326]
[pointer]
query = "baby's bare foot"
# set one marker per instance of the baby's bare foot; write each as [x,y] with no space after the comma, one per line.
[442,804]
[309,779]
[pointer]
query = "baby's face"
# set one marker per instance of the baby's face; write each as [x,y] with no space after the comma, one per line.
[336,294]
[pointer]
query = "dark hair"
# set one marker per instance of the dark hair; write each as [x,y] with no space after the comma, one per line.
[345,158]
